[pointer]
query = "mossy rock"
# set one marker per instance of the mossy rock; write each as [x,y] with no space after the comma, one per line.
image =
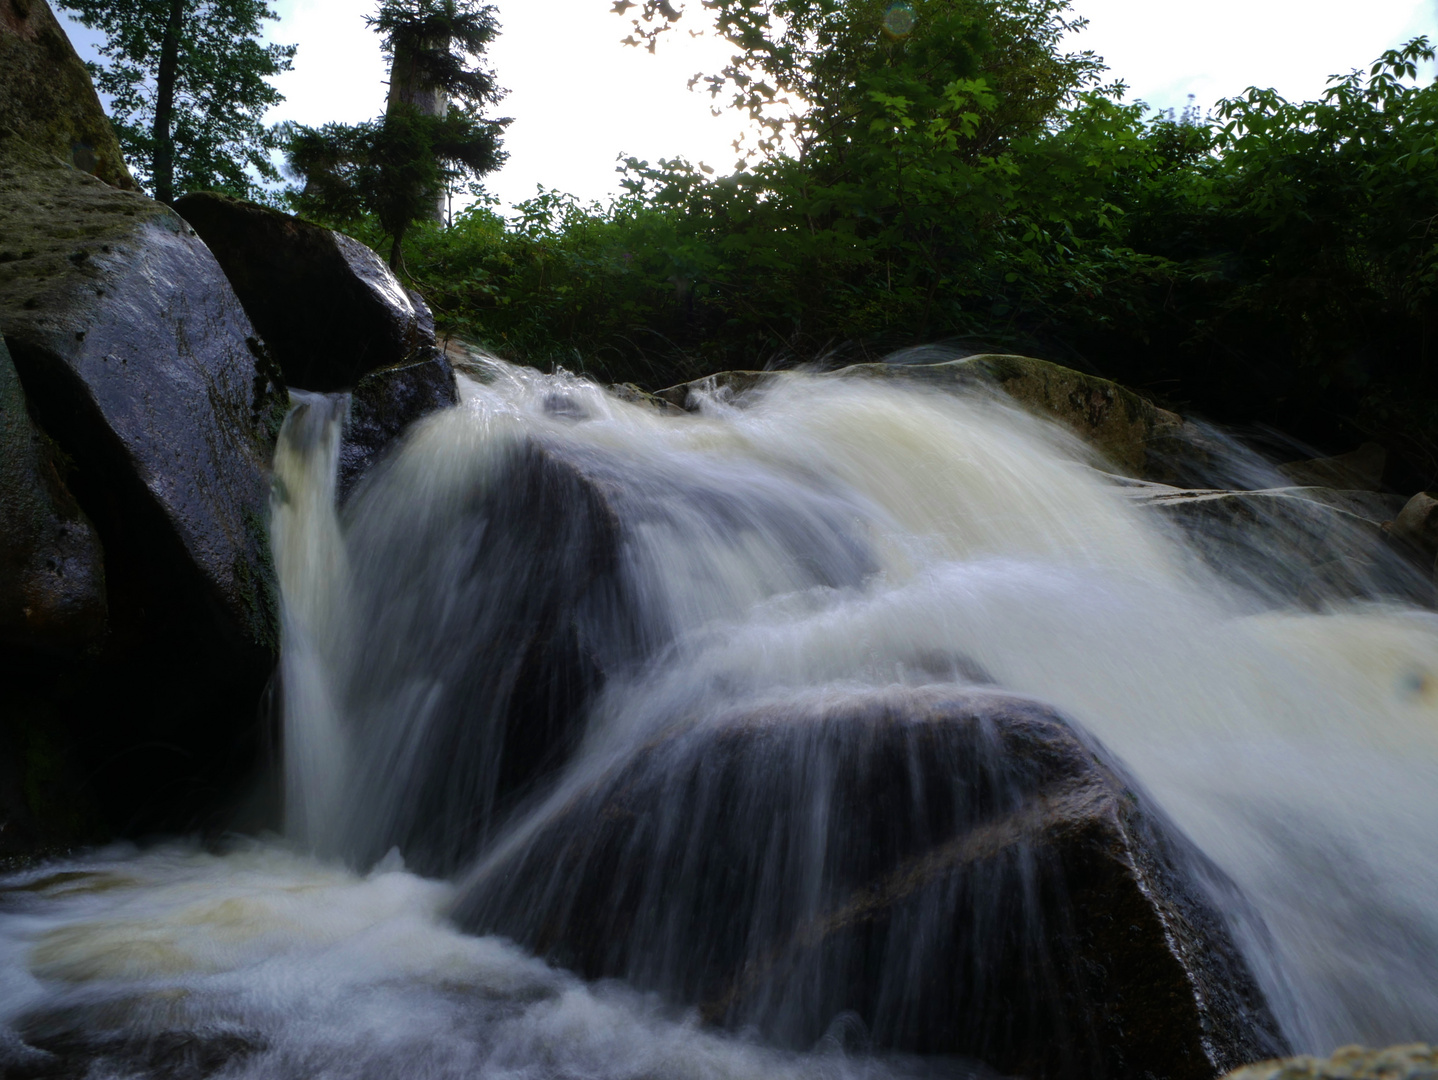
[46,97]
[137,359]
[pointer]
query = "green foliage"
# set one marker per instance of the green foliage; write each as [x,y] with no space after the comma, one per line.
[967,181]
[396,168]
[189,90]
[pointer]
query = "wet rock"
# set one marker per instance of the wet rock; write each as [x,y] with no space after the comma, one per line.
[637,396]
[962,872]
[388,401]
[498,607]
[326,305]
[84,1045]
[47,101]
[1416,1061]
[1358,470]
[137,360]
[1137,437]
[52,570]
[1416,527]
[463,704]
[1292,545]
[139,364]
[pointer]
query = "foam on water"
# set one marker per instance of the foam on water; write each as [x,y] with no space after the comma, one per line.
[826,536]
[283,966]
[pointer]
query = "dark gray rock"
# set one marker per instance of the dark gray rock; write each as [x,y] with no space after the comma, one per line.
[962,871]
[137,359]
[1357,470]
[1304,546]
[140,367]
[388,401]
[511,594]
[328,307]
[52,570]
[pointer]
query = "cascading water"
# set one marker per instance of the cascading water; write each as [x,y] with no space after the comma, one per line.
[547,589]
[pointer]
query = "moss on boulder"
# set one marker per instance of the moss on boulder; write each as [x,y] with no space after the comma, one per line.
[46,98]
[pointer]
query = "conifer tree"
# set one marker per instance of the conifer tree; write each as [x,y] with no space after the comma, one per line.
[399,166]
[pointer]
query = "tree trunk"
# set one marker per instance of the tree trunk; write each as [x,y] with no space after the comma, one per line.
[164,163]
[408,86]
[396,251]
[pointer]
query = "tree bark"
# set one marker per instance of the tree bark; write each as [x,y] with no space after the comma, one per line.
[408,86]
[164,163]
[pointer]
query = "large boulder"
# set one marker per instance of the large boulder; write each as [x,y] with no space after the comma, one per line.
[499,589]
[139,362]
[961,872]
[328,307]
[148,382]
[1305,545]
[46,99]
[1138,438]
[52,569]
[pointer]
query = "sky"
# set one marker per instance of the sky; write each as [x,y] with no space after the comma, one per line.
[580,99]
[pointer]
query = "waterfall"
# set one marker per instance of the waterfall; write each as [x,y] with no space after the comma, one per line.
[548,592]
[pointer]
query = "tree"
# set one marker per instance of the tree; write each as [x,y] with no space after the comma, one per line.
[399,167]
[187,79]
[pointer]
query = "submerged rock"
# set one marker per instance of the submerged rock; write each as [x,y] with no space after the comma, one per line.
[960,871]
[1357,470]
[496,608]
[1333,543]
[328,307]
[1137,437]
[1416,1061]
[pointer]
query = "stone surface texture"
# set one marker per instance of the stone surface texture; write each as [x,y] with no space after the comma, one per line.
[961,870]
[388,401]
[137,359]
[46,99]
[1414,1061]
[52,568]
[328,307]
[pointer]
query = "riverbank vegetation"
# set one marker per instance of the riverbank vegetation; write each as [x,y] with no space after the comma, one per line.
[953,173]
[958,178]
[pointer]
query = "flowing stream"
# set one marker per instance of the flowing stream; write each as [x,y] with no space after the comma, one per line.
[546,578]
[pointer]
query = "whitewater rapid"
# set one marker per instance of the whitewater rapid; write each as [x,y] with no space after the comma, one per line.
[822,537]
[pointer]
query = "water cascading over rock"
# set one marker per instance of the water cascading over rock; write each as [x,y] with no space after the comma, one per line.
[546,651]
